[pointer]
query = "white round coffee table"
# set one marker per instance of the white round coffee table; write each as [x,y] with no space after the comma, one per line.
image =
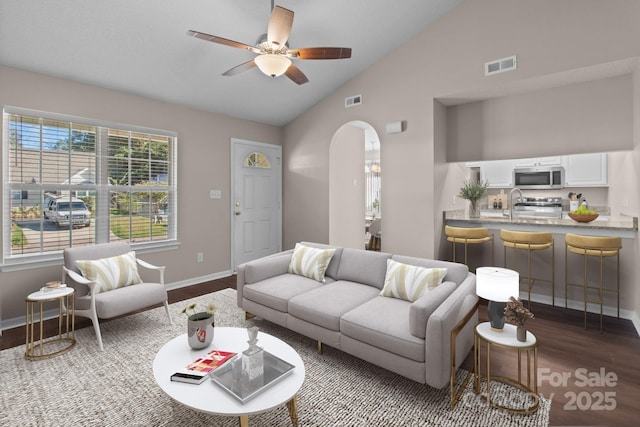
[211,398]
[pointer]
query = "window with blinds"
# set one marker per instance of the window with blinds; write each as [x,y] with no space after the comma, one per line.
[71,182]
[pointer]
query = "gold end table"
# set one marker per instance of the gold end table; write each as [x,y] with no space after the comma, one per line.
[507,340]
[65,296]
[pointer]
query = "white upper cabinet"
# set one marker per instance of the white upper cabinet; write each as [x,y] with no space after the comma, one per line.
[581,170]
[586,170]
[498,173]
[539,161]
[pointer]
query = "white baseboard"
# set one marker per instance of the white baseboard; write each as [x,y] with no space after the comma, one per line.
[198,280]
[53,313]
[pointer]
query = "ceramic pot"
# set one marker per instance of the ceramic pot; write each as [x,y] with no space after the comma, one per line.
[521,333]
[200,330]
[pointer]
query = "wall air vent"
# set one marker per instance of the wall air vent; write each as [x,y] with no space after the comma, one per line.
[352,101]
[500,65]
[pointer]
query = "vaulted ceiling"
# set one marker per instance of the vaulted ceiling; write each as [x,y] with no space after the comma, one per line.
[141,47]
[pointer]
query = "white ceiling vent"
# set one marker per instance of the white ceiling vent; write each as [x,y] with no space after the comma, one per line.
[352,101]
[500,65]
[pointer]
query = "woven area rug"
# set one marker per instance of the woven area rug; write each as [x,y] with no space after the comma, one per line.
[86,387]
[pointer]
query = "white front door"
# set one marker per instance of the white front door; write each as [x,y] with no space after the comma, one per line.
[256,200]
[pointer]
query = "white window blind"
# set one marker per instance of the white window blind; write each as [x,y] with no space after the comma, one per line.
[72,181]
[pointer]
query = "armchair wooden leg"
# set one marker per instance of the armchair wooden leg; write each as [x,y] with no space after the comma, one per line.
[248,315]
[96,327]
[166,307]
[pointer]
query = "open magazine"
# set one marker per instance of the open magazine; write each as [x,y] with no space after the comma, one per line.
[198,371]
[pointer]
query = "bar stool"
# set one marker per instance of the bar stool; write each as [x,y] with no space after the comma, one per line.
[599,247]
[530,241]
[468,236]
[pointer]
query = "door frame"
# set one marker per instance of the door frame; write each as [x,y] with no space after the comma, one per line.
[257,145]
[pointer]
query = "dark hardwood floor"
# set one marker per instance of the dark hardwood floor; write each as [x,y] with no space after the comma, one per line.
[593,379]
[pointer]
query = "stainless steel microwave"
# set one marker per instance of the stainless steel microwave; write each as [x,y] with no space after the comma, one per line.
[539,178]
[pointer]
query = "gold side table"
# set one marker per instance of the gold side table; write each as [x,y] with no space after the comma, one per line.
[507,339]
[66,316]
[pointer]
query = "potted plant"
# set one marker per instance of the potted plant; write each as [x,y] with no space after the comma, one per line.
[473,192]
[200,325]
[517,314]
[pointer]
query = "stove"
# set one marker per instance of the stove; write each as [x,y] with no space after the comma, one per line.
[547,207]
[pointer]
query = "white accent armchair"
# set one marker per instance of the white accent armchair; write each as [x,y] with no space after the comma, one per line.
[92,303]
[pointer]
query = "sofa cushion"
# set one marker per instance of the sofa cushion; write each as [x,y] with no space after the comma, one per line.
[263,268]
[423,307]
[384,323]
[325,305]
[111,273]
[275,292]
[456,272]
[332,269]
[310,262]
[360,266]
[410,282]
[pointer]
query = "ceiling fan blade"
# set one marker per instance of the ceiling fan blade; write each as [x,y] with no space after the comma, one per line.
[240,68]
[296,75]
[221,40]
[320,53]
[279,27]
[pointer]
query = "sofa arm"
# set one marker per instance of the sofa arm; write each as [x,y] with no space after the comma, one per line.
[423,308]
[260,269]
[439,327]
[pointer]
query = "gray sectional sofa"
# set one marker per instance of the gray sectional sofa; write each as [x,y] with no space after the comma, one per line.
[346,312]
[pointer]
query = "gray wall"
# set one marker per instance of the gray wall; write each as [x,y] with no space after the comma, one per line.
[583,117]
[203,147]
[558,44]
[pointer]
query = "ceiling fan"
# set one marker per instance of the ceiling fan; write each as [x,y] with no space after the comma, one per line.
[274,56]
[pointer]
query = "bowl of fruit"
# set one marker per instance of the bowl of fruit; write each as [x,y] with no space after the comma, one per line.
[583,214]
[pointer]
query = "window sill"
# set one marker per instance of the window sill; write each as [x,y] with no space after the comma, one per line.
[55,259]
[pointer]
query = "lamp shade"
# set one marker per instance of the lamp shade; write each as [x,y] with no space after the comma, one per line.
[497,284]
[271,64]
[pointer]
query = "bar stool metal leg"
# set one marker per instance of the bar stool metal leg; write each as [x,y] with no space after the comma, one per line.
[600,248]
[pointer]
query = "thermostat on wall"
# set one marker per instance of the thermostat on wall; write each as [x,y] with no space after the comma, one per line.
[396,127]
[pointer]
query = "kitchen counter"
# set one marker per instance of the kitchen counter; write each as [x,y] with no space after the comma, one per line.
[623,226]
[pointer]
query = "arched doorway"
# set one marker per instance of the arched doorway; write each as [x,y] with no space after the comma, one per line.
[354,183]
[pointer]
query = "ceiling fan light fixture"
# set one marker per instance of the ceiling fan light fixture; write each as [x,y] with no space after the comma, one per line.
[272,65]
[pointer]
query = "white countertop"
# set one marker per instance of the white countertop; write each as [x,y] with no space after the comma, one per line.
[623,226]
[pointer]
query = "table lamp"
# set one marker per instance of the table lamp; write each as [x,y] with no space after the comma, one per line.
[497,285]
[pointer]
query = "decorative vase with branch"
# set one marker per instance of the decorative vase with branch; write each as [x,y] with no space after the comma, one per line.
[516,313]
[473,192]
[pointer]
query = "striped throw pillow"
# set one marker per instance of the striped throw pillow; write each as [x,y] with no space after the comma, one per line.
[310,262]
[410,282]
[111,273]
